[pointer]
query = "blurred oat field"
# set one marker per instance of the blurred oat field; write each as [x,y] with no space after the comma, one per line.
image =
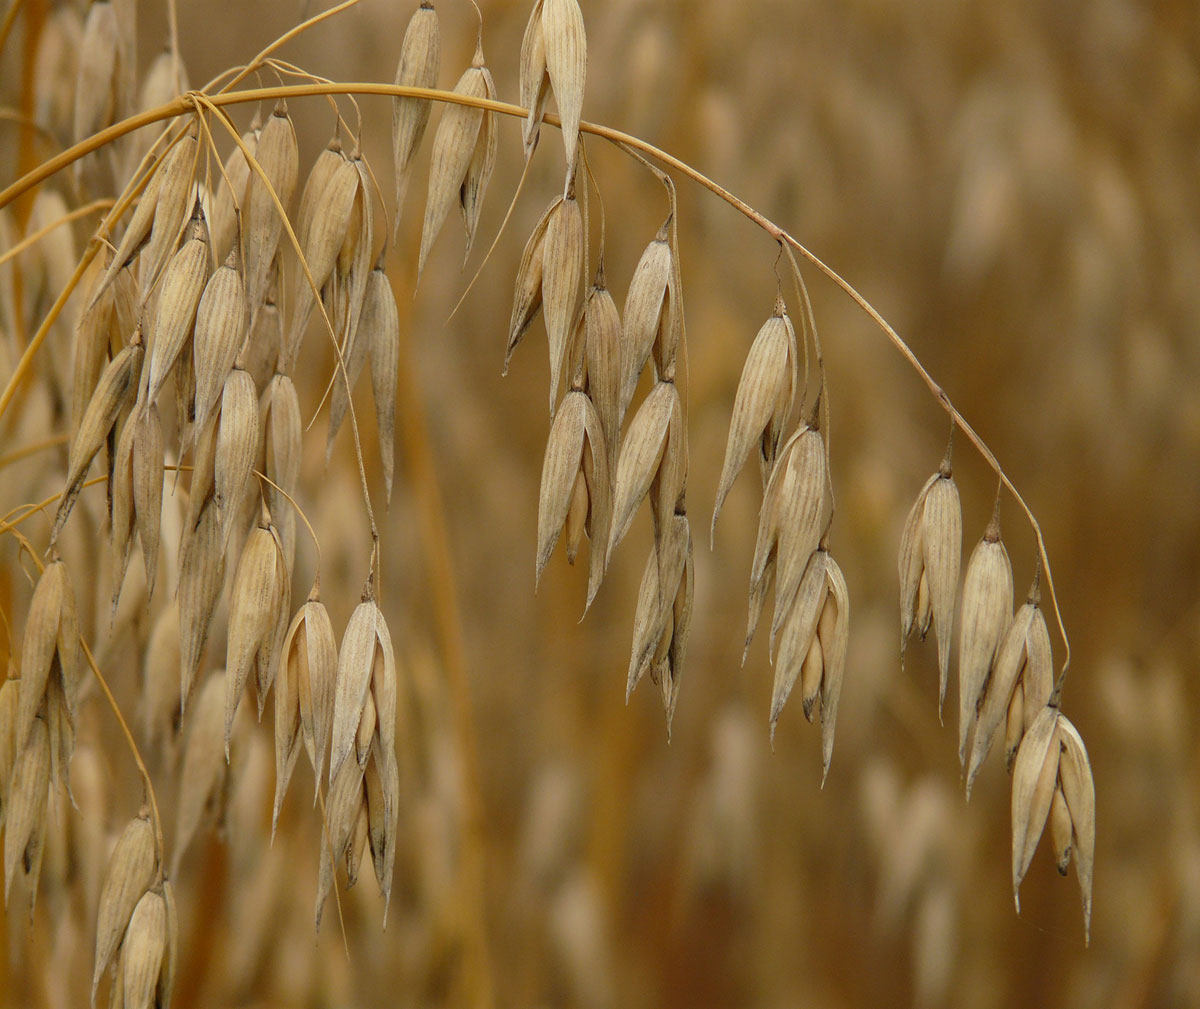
[1016,188]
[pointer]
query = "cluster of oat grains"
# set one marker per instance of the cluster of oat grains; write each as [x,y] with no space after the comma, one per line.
[182,400]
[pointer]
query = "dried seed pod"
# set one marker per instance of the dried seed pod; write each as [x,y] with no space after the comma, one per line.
[1023,658]
[366,645]
[653,439]
[201,577]
[575,482]
[1060,831]
[282,433]
[26,813]
[144,952]
[534,81]
[230,196]
[113,392]
[183,284]
[129,874]
[602,338]
[566,64]
[561,270]
[986,613]
[220,332]
[311,655]
[789,525]
[798,632]
[1035,774]
[1079,791]
[354,261]
[382,323]
[346,797]
[420,57]
[648,308]
[237,446]
[764,399]
[259,590]
[464,151]
[50,645]
[356,350]
[287,727]
[91,352]
[930,561]
[325,213]
[382,784]
[173,198]
[527,298]
[148,486]
[279,160]
[664,613]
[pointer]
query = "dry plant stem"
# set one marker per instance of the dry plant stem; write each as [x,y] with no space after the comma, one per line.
[180,104]
[37,236]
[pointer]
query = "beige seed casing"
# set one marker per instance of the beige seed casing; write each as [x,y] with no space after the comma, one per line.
[986,612]
[129,874]
[420,59]
[764,399]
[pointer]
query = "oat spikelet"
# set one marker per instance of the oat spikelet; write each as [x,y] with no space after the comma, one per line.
[534,81]
[201,576]
[930,562]
[647,310]
[220,332]
[464,150]
[129,874]
[575,488]
[237,446]
[116,387]
[764,399]
[602,364]
[258,593]
[346,796]
[366,645]
[646,456]
[382,322]
[203,772]
[420,59]
[566,64]
[561,272]
[143,952]
[663,617]
[1078,789]
[50,648]
[24,830]
[183,285]
[986,612]
[1023,659]
[527,298]
[279,158]
[311,648]
[173,200]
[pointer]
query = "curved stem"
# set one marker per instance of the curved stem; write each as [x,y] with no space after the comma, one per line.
[180,104]
[16,455]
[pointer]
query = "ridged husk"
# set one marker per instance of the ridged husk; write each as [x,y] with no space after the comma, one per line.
[129,874]
[420,58]
[575,462]
[765,394]
[986,612]
[278,157]
[464,152]
[182,286]
[220,332]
